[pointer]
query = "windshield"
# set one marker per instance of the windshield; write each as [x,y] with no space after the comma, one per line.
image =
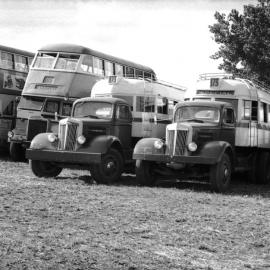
[63,61]
[91,109]
[197,114]
[30,103]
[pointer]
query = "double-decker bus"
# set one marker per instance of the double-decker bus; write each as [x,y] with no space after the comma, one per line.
[14,66]
[60,74]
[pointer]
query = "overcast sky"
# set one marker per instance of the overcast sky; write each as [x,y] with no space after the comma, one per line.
[172,37]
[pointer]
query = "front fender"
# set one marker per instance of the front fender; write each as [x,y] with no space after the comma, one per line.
[41,141]
[146,146]
[214,149]
[101,144]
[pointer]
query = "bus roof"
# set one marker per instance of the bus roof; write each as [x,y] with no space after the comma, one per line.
[135,86]
[100,99]
[16,51]
[78,49]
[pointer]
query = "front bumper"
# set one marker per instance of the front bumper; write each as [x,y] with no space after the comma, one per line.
[177,159]
[63,156]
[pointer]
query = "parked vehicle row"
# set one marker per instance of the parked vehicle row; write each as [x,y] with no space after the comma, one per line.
[84,109]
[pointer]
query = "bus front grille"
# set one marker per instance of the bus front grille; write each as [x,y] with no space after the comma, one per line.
[67,136]
[35,126]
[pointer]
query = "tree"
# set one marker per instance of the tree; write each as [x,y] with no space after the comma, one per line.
[244,38]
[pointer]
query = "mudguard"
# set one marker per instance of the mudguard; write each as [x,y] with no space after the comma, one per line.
[146,146]
[101,144]
[41,141]
[214,149]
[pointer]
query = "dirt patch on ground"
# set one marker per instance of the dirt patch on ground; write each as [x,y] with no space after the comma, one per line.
[71,223]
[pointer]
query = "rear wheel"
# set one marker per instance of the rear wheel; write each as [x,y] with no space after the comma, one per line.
[109,169]
[263,168]
[16,152]
[145,174]
[220,174]
[44,168]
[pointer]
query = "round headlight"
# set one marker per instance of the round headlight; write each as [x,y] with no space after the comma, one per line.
[10,134]
[52,138]
[192,146]
[81,139]
[158,144]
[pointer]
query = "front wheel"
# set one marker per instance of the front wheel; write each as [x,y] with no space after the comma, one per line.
[145,175]
[44,168]
[16,152]
[220,174]
[109,169]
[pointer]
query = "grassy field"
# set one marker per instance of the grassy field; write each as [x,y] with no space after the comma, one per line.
[71,223]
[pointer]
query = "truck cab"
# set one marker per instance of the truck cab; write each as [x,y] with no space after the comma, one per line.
[97,137]
[200,143]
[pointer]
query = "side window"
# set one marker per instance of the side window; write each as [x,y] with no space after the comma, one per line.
[21,63]
[138,73]
[8,109]
[162,105]
[108,68]
[6,60]
[66,109]
[229,116]
[119,70]
[129,72]
[250,110]
[145,104]
[87,64]
[123,112]
[263,112]
[128,99]
[98,66]
[51,106]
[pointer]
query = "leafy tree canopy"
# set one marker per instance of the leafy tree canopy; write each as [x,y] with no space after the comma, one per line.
[244,41]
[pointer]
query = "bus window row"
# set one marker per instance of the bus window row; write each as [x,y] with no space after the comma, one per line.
[14,61]
[87,64]
[151,104]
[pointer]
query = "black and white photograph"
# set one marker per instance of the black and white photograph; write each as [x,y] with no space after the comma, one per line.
[135,135]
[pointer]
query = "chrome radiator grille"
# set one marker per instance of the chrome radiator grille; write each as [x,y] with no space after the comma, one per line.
[67,136]
[176,142]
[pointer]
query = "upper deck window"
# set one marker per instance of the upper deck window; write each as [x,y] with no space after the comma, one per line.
[138,73]
[45,60]
[67,61]
[108,68]
[98,66]
[6,60]
[197,114]
[129,72]
[21,63]
[87,64]
[119,70]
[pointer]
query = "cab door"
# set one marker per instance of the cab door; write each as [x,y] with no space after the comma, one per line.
[123,121]
[227,132]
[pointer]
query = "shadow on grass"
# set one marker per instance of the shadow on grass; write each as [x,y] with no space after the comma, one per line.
[239,185]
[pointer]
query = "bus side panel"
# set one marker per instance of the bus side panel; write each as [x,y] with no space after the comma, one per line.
[263,136]
[246,134]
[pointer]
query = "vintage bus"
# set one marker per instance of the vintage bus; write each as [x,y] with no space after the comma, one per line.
[151,102]
[223,126]
[60,74]
[14,67]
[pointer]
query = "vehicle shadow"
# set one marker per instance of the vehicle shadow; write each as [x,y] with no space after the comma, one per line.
[239,186]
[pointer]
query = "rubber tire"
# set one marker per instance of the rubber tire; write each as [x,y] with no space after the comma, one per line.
[99,173]
[145,175]
[44,168]
[220,174]
[16,152]
[263,168]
